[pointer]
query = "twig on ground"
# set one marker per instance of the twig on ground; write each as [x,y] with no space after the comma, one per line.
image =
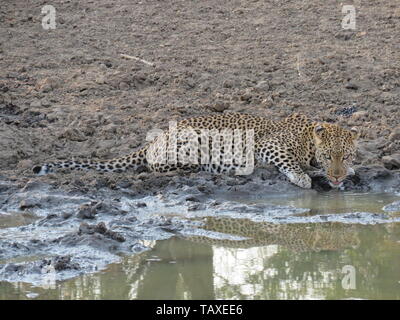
[125,56]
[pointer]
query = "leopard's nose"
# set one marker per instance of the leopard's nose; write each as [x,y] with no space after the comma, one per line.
[337,177]
[337,173]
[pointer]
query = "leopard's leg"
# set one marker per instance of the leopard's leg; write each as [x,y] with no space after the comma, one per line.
[274,152]
[132,161]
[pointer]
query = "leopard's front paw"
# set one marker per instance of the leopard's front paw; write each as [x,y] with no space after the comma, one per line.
[303,180]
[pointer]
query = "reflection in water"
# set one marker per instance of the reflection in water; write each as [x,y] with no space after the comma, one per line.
[297,237]
[280,262]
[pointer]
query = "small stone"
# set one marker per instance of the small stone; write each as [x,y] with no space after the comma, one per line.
[141,205]
[228,84]
[73,134]
[392,162]
[48,84]
[51,216]
[87,211]
[100,80]
[101,228]
[359,115]
[45,103]
[263,85]
[395,134]
[25,164]
[116,236]
[64,263]
[28,203]
[220,106]
[35,104]
[85,228]
[123,86]
[246,96]
[66,215]
[192,199]
[351,86]
[194,207]
[386,88]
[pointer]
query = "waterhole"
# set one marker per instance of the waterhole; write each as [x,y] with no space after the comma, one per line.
[258,260]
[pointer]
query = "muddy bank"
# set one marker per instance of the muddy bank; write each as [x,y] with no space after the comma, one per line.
[66,230]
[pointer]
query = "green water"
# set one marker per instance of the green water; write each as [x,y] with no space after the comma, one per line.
[293,261]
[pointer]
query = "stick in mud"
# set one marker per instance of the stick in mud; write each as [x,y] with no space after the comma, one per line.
[125,56]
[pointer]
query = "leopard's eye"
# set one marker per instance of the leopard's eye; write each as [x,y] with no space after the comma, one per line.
[346,157]
[327,157]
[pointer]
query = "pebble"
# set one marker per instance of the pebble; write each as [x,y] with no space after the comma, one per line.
[87,211]
[392,162]
[141,205]
[45,103]
[73,135]
[395,134]
[48,84]
[263,85]
[28,203]
[36,104]
[25,164]
[220,106]
[359,115]
[100,80]
[351,86]
[123,86]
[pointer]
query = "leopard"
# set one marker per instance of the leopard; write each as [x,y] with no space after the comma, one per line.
[234,142]
[296,237]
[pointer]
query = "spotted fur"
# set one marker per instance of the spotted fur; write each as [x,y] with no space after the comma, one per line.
[291,145]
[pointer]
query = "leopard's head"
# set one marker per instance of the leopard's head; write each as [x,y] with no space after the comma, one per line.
[335,151]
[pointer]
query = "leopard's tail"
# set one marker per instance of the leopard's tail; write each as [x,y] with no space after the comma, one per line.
[132,161]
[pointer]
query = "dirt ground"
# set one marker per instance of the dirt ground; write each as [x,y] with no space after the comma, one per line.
[69,92]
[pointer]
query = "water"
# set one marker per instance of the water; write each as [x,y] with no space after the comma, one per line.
[289,261]
[15,219]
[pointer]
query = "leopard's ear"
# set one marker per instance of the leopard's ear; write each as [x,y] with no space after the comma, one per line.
[354,133]
[318,131]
